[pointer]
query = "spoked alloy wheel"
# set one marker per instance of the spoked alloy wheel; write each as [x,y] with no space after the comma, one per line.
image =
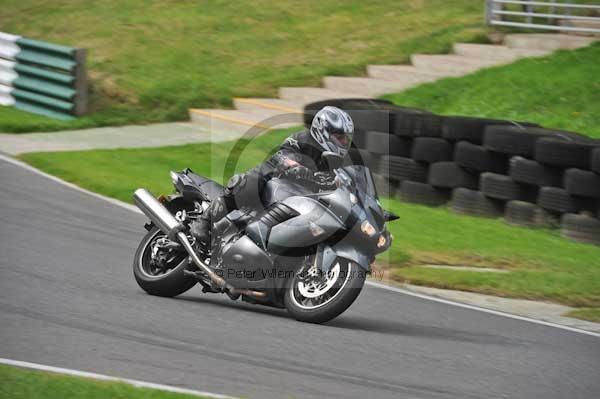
[317,297]
[158,260]
[158,269]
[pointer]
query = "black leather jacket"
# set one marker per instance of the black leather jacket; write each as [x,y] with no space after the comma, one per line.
[299,147]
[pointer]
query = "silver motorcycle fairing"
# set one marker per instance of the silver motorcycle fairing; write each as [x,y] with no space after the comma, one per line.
[314,224]
[278,189]
[245,265]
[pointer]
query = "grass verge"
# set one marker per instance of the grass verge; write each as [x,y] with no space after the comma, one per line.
[558,91]
[18,383]
[589,314]
[172,56]
[541,264]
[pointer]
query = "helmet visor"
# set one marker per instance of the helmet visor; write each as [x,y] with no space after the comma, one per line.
[341,140]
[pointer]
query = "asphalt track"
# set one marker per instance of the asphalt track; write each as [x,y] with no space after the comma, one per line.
[68,299]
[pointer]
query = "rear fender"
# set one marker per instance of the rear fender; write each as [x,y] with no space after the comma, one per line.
[173,203]
[177,202]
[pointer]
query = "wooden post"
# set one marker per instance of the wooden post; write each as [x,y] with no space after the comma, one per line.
[81,82]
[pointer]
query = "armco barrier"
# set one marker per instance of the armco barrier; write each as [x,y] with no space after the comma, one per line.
[43,78]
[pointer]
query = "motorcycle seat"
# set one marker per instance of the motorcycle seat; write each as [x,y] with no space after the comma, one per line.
[207,189]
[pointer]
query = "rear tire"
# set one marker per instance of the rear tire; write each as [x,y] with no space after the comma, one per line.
[170,284]
[523,170]
[462,128]
[431,149]
[595,161]
[581,228]
[350,281]
[387,144]
[474,203]
[504,188]
[450,175]
[513,140]
[423,193]
[475,157]
[401,168]
[565,154]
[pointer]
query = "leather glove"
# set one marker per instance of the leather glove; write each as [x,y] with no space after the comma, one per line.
[324,179]
[300,173]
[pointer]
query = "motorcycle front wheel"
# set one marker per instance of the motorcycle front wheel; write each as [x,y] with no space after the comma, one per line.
[315,297]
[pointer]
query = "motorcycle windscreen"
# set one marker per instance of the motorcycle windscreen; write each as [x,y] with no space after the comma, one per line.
[362,178]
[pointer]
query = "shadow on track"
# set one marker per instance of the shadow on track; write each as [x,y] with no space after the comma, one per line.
[214,300]
[391,327]
[357,323]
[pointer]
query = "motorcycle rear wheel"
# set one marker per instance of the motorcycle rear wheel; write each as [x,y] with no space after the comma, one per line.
[167,283]
[324,297]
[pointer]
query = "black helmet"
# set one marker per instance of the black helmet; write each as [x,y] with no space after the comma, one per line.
[332,129]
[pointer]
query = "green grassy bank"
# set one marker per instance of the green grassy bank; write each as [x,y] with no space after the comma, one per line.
[17,383]
[559,91]
[149,61]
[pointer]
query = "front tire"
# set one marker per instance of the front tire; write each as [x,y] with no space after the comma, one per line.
[321,301]
[167,283]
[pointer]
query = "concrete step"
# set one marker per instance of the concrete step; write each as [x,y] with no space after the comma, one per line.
[495,52]
[268,104]
[546,41]
[369,86]
[405,73]
[238,122]
[452,64]
[278,111]
[585,24]
[305,95]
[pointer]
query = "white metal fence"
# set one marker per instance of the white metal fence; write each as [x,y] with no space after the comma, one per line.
[556,15]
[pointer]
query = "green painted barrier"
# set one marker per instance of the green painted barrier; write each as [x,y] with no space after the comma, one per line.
[44,74]
[43,78]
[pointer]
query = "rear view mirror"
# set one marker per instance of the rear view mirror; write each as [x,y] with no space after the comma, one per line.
[390,216]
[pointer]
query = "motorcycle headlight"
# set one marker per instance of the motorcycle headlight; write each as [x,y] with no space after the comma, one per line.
[367,228]
[382,241]
[353,198]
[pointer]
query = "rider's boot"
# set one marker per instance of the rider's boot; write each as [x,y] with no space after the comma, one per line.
[202,228]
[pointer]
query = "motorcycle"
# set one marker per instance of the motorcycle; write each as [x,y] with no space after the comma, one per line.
[308,251]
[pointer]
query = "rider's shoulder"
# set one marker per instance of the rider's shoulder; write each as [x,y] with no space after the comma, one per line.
[296,140]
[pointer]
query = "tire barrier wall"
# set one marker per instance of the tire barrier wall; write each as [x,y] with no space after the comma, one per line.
[43,78]
[530,175]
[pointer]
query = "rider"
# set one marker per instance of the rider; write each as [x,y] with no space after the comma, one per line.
[298,157]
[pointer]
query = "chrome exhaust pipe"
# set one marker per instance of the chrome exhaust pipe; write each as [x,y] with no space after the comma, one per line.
[157,213]
[167,223]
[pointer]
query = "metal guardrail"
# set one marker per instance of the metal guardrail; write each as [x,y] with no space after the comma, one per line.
[43,78]
[561,15]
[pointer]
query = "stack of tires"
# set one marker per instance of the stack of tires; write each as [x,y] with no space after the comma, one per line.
[457,161]
[535,177]
[549,181]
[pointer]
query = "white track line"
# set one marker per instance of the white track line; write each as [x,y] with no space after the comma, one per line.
[371,283]
[85,374]
[480,309]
